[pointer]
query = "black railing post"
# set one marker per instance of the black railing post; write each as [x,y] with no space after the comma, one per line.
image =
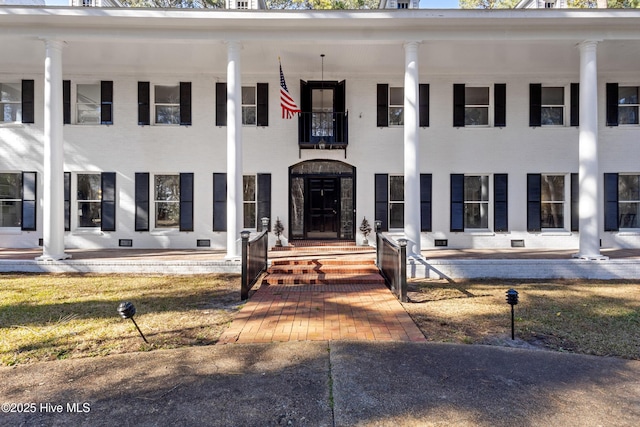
[378,225]
[402,273]
[244,289]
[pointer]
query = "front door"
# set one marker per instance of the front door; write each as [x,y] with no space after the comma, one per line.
[324,197]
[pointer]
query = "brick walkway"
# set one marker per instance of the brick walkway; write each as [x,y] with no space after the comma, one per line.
[354,305]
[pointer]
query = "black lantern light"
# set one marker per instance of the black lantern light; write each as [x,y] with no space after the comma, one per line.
[512,299]
[127,310]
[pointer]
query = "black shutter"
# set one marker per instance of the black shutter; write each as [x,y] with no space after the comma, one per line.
[219,202]
[142,201]
[264,199]
[575,105]
[382,200]
[29,184]
[423,100]
[457,202]
[108,205]
[185,103]
[186,202]
[262,104]
[67,201]
[534,202]
[575,198]
[535,104]
[304,119]
[500,202]
[221,104]
[106,102]
[458,105]
[383,105]
[339,107]
[28,111]
[66,102]
[144,112]
[611,202]
[612,104]
[425,202]
[500,105]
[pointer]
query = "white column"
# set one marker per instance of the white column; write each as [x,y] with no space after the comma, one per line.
[53,197]
[411,150]
[588,153]
[234,149]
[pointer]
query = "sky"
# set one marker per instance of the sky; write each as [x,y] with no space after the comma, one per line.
[424,4]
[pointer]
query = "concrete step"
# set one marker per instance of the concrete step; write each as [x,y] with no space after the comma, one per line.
[322,262]
[324,269]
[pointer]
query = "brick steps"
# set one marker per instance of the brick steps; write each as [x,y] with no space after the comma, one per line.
[322,278]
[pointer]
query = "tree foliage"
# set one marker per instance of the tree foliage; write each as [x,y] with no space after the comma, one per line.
[581,4]
[487,4]
[322,4]
[185,4]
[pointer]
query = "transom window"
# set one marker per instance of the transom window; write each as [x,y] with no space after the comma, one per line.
[396,201]
[403,5]
[10,199]
[249,107]
[88,104]
[552,112]
[89,196]
[242,5]
[552,201]
[167,104]
[476,109]
[476,202]
[628,201]
[396,106]
[10,102]
[249,200]
[167,201]
[628,105]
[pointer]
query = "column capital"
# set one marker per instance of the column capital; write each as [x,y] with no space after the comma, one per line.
[411,44]
[588,45]
[56,44]
[233,44]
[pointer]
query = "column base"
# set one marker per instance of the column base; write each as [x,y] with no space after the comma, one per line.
[50,257]
[597,257]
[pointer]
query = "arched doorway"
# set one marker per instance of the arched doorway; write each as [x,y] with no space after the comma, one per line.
[322,200]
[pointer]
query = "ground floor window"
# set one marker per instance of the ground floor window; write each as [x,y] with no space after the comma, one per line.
[476,202]
[396,201]
[10,199]
[167,201]
[628,200]
[89,196]
[249,201]
[553,201]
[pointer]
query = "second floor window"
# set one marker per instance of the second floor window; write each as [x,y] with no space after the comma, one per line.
[10,102]
[628,105]
[552,110]
[167,104]
[396,106]
[476,109]
[88,104]
[249,105]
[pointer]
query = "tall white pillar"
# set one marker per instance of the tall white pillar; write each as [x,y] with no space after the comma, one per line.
[234,149]
[588,153]
[411,150]
[53,196]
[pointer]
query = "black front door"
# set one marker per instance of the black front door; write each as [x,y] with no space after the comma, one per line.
[323,208]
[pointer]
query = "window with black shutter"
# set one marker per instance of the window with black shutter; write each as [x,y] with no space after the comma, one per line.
[457,202]
[106,102]
[142,201]
[185,103]
[144,104]
[219,202]
[29,192]
[425,202]
[186,202]
[382,200]
[27,95]
[108,202]
[534,202]
[221,104]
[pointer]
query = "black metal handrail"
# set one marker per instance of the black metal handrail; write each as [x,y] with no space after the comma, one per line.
[254,260]
[323,130]
[391,259]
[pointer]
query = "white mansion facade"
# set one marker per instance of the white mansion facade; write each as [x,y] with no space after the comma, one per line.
[154,128]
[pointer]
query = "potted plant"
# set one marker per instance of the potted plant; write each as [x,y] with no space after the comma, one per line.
[278,228]
[365,229]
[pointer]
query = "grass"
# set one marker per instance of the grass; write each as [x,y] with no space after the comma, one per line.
[48,317]
[598,318]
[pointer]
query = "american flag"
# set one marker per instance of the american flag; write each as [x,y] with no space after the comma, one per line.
[289,107]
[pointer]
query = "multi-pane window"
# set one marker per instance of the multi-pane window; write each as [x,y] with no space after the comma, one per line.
[403,5]
[249,201]
[628,201]
[249,107]
[396,201]
[89,199]
[167,201]
[10,102]
[167,104]
[552,111]
[242,5]
[552,201]
[10,199]
[476,201]
[322,112]
[628,105]
[396,106]
[88,104]
[476,109]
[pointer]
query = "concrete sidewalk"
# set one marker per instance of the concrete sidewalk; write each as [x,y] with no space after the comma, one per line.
[326,383]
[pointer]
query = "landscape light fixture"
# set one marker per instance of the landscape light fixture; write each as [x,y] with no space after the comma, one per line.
[127,310]
[512,299]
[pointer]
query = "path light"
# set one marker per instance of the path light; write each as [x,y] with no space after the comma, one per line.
[512,299]
[127,310]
